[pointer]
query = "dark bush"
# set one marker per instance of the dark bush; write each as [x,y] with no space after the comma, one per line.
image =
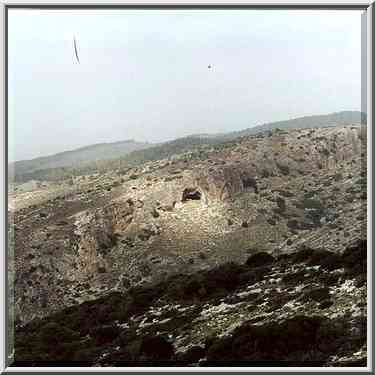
[154,348]
[316,294]
[269,342]
[209,284]
[281,204]
[104,334]
[312,204]
[354,257]
[53,333]
[328,260]
[260,259]
[294,277]
[191,356]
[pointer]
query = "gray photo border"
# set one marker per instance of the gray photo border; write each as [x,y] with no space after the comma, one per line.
[367,84]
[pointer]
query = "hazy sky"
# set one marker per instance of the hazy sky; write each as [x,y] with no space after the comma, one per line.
[143,74]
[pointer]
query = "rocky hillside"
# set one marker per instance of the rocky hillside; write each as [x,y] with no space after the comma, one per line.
[247,241]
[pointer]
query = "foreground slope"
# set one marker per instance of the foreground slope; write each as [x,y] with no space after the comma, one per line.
[306,308]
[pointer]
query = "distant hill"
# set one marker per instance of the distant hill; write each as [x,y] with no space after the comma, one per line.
[168,149]
[92,153]
[179,145]
[106,156]
[316,121]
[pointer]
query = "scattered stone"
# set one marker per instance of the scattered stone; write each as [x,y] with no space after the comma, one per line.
[155,213]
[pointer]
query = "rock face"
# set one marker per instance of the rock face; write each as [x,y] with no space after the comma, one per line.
[261,231]
[225,181]
[96,233]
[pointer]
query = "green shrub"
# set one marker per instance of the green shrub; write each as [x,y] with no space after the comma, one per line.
[311,203]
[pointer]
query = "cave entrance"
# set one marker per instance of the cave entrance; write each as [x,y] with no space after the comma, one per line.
[191,194]
[249,182]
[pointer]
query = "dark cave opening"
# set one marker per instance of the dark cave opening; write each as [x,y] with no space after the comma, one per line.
[250,182]
[191,194]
